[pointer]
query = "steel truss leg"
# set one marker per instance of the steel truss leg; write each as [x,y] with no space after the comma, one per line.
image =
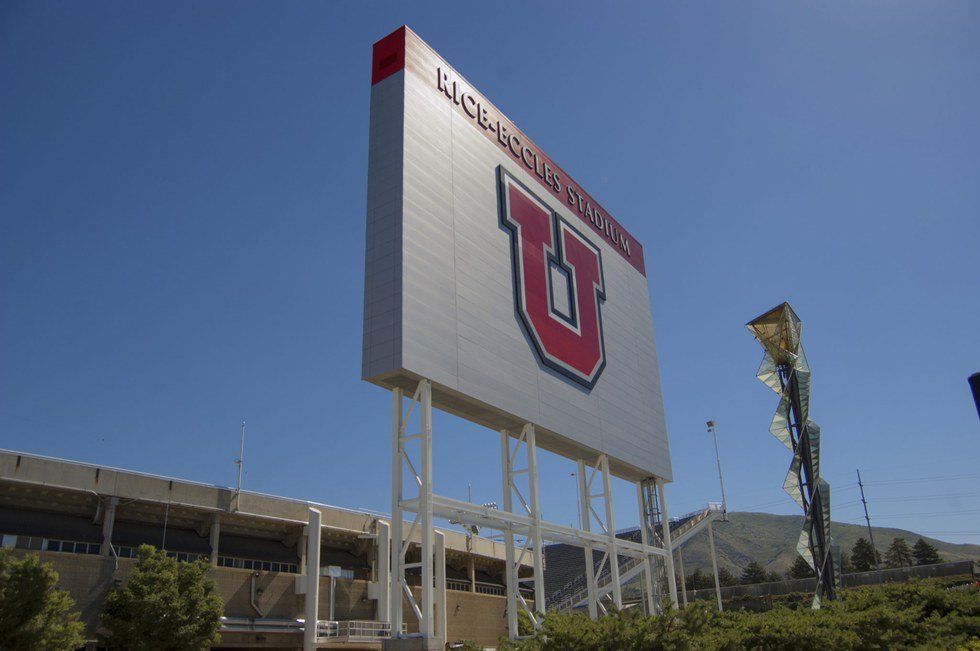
[648,563]
[533,540]
[669,558]
[651,519]
[608,527]
[683,577]
[421,478]
[586,523]
[714,564]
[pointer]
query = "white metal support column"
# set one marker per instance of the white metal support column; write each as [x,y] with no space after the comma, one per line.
[586,524]
[669,558]
[611,531]
[714,564]
[311,602]
[397,557]
[608,527]
[420,477]
[682,578]
[648,578]
[533,539]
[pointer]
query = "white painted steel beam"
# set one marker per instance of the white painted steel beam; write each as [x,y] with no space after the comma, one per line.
[665,518]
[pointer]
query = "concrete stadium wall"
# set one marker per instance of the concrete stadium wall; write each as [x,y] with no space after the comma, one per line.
[470,616]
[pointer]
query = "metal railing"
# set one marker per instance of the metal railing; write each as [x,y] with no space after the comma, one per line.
[355,630]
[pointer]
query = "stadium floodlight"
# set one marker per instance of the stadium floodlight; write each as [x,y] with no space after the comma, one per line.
[785,370]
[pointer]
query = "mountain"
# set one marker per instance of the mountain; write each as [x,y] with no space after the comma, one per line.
[771,541]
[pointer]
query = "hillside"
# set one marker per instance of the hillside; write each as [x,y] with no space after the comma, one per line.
[771,540]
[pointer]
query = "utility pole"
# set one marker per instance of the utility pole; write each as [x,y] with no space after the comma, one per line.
[724,502]
[867,518]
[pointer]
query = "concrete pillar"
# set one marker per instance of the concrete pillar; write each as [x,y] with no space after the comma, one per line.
[215,536]
[107,524]
[312,601]
[439,602]
[383,576]
[471,570]
[714,565]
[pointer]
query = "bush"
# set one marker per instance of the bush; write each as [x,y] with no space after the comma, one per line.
[921,614]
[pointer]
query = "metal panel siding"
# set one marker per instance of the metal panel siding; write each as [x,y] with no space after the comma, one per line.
[454,319]
[381,345]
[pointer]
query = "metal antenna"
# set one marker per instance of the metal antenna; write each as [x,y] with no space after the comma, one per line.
[240,462]
[724,502]
[867,519]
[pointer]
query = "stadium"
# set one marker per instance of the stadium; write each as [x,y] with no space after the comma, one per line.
[500,300]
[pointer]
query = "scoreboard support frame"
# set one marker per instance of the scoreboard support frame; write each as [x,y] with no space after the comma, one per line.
[412,460]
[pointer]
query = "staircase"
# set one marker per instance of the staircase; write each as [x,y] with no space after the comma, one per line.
[575,593]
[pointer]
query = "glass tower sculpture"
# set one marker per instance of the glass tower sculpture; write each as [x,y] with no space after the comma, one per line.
[784,370]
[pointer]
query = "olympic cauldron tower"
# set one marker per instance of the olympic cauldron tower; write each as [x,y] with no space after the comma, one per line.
[785,370]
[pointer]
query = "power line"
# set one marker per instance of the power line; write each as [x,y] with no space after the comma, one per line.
[927,513]
[921,498]
[917,480]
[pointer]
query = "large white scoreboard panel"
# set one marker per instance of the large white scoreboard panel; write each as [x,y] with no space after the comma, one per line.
[492,273]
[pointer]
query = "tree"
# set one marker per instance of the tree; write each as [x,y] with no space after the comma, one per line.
[698,580]
[725,577]
[164,605]
[864,557]
[898,554]
[801,569]
[34,614]
[773,576]
[753,573]
[925,554]
[845,563]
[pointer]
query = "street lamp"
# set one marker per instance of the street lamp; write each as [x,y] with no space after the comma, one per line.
[714,434]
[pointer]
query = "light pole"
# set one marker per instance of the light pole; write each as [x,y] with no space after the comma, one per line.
[714,434]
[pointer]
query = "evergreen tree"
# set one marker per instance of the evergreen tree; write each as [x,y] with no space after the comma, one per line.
[165,605]
[698,580]
[753,573]
[845,563]
[925,554]
[864,557]
[772,576]
[725,577]
[34,614]
[898,554]
[801,569]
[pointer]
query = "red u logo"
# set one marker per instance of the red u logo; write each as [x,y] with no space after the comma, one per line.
[558,283]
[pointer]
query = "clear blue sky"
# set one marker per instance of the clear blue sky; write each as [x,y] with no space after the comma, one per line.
[182,199]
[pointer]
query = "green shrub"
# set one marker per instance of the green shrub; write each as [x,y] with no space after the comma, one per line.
[915,615]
